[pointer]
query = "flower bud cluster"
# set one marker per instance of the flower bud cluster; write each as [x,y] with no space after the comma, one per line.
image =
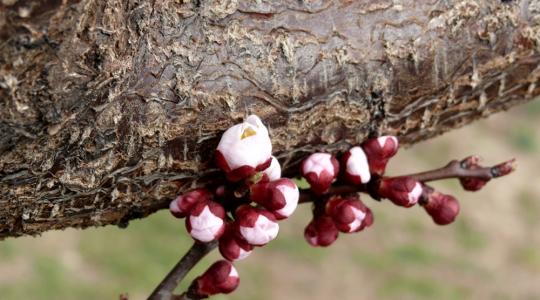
[244,212]
[256,197]
[362,165]
[359,166]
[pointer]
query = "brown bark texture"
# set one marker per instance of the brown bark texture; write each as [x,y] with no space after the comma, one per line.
[109,108]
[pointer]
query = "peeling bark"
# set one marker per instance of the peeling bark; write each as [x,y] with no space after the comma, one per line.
[108,109]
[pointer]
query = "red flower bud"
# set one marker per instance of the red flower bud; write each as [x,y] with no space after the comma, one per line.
[349,215]
[278,196]
[220,278]
[355,166]
[320,170]
[379,151]
[472,184]
[442,208]
[321,232]
[475,184]
[244,149]
[255,225]
[402,191]
[206,221]
[182,205]
[231,247]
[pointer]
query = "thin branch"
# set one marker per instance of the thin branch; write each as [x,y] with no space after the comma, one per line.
[164,291]
[459,169]
[454,169]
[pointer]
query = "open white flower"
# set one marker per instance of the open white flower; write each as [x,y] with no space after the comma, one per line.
[244,149]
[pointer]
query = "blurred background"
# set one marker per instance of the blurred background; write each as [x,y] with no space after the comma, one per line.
[492,251]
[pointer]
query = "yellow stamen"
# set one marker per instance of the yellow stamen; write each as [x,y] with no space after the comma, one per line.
[247,133]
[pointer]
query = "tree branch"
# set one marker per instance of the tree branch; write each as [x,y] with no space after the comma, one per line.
[87,139]
[164,291]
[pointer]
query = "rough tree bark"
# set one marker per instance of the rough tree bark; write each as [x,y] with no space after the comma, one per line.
[110,108]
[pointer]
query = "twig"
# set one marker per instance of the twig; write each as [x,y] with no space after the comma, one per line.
[164,291]
[459,169]
[454,169]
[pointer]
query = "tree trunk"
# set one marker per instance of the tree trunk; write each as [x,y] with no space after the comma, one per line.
[108,109]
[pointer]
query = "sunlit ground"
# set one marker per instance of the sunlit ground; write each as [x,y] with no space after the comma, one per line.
[491,252]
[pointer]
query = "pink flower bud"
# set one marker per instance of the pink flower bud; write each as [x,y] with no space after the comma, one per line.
[320,170]
[244,149]
[273,172]
[321,232]
[255,225]
[379,151]
[182,205]
[278,196]
[231,247]
[403,191]
[442,208]
[206,221]
[356,167]
[349,215]
[220,278]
